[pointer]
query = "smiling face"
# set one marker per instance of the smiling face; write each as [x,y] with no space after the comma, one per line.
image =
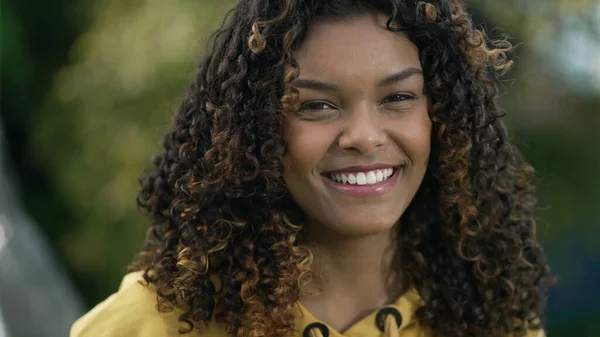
[359,145]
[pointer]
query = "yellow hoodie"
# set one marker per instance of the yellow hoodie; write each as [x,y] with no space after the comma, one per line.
[131,312]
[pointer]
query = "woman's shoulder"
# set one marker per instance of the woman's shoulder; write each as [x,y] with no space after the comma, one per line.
[132,311]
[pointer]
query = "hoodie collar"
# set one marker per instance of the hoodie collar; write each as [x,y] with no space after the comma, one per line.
[388,321]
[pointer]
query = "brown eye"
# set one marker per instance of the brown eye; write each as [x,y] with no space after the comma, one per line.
[395,98]
[316,106]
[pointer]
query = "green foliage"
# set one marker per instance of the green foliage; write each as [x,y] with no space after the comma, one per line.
[79,155]
[103,121]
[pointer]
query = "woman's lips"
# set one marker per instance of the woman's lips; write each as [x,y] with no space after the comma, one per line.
[364,189]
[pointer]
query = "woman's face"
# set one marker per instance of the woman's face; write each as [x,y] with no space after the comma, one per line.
[359,145]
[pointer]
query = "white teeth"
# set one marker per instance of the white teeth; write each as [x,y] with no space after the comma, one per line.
[363,178]
[351,179]
[371,178]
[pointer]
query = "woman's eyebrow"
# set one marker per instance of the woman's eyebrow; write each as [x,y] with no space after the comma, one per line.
[314,85]
[400,76]
[323,86]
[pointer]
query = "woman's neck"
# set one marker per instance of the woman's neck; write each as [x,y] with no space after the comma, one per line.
[353,275]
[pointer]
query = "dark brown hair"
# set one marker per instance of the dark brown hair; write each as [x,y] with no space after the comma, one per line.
[220,207]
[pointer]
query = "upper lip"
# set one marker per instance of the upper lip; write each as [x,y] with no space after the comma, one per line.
[363,168]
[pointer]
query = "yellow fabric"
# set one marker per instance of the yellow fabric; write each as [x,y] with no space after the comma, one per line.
[391,329]
[131,312]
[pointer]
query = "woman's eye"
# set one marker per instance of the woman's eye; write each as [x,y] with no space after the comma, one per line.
[396,98]
[317,111]
[315,106]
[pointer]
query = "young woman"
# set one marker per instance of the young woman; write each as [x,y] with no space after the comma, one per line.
[337,168]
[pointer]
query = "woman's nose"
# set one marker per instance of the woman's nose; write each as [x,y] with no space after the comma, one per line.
[363,131]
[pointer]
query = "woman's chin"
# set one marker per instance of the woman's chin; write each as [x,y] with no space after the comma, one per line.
[360,221]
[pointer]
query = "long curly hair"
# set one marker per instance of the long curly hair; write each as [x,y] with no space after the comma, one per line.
[220,208]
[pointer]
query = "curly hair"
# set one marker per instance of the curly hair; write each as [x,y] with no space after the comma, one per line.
[220,208]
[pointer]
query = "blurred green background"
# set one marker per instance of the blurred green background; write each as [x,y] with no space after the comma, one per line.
[89,87]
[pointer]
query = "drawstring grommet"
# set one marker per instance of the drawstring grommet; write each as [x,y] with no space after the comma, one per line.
[316,325]
[382,314]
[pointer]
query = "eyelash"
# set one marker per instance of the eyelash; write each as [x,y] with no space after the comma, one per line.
[305,106]
[395,98]
[403,97]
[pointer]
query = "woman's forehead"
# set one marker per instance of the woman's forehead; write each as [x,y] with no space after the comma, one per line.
[355,45]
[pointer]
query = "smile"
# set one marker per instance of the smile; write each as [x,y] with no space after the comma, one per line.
[362,178]
[365,183]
